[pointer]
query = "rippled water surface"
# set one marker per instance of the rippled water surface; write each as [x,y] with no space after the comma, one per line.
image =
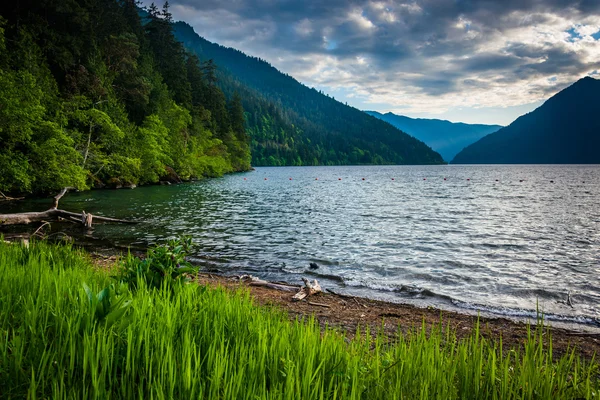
[502,239]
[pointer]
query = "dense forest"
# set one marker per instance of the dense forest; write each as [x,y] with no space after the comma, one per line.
[92,94]
[99,93]
[291,124]
[564,130]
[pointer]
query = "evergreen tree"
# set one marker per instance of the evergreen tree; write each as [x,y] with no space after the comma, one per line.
[169,54]
[90,96]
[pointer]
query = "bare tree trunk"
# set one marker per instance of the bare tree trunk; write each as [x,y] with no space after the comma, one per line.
[59,196]
[87,148]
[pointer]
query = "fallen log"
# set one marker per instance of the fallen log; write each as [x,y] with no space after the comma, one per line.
[59,196]
[308,290]
[275,286]
[54,214]
[254,281]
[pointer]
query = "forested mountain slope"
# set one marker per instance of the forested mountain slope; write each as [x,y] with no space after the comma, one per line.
[291,124]
[90,95]
[564,130]
[445,137]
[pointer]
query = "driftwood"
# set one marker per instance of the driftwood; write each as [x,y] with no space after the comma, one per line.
[254,281]
[308,290]
[312,303]
[38,230]
[7,198]
[55,214]
[59,196]
[276,286]
[302,293]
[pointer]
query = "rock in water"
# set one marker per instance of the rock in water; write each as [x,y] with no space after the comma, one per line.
[313,265]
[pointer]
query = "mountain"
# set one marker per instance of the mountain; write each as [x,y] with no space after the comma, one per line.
[291,124]
[445,137]
[564,130]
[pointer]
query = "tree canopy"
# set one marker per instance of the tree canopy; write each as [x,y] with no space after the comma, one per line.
[93,94]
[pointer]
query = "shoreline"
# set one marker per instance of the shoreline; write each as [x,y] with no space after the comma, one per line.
[350,313]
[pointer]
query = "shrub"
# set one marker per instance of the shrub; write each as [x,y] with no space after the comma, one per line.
[163,265]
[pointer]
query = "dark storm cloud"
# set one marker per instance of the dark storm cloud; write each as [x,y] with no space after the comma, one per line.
[547,61]
[435,86]
[487,62]
[441,46]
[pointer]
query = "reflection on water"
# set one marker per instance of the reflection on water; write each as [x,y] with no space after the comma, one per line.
[497,238]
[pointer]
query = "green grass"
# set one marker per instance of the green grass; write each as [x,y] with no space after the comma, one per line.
[60,340]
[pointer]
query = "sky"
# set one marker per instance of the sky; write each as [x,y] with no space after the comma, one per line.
[475,61]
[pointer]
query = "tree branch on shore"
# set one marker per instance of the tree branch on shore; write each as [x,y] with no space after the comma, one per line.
[55,213]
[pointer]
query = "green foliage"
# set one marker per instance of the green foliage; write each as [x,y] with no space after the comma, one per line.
[54,162]
[291,124]
[90,95]
[213,344]
[36,152]
[152,137]
[164,266]
[109,306]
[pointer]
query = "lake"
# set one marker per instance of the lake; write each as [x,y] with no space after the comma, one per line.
[501,240]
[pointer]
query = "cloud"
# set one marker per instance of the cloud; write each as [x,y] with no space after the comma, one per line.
[423,55]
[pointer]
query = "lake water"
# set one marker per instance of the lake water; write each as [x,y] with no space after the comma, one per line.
[503,240]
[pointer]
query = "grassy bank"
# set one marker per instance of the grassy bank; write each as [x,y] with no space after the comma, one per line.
[68,330]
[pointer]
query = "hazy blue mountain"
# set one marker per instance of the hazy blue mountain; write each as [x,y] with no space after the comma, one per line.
[292,124]
[564,130]
[445,137]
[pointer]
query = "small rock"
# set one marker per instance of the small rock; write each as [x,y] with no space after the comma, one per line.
[313,265]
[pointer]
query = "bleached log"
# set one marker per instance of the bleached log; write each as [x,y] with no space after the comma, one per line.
[86,219]
[308,290]
[53,213]
[275,286]
[59,196]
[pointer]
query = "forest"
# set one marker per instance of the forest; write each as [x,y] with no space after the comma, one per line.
[94,95]
[102,93]
[292,124]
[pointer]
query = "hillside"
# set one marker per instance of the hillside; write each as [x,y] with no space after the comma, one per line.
[90,97]
[445,137]
[291,124]
[564,130]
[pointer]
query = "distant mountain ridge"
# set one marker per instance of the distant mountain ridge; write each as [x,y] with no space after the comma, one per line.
[291,124]
[445,137]
[563,130]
